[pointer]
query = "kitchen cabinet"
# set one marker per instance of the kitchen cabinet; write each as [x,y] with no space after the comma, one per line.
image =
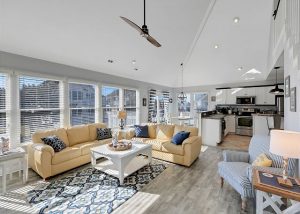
[221,96]
[262,123]
[263,97]
[211,131]
[230,124]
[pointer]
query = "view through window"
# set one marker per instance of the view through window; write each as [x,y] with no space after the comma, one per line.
[112,101]
[3,89]
[39,104]
[82,103]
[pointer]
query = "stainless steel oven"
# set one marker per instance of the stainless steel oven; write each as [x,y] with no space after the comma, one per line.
[243,125]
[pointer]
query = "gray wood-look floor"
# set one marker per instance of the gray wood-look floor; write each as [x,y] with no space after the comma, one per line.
[177,190]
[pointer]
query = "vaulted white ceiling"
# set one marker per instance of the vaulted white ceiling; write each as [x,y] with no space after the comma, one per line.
[86,34]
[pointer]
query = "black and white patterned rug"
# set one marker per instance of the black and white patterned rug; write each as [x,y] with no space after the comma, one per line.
[90,191]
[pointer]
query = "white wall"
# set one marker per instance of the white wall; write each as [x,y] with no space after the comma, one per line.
[285,38]
[22,63]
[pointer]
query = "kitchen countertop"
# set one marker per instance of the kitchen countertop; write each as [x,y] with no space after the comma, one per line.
[215,116]
[266,115]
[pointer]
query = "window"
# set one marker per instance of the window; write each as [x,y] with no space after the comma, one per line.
[112,101]
[110,105]
[3,89]
[39,104]
[82,103]
[201,101]
[158,110]
[130,106]
[186,106]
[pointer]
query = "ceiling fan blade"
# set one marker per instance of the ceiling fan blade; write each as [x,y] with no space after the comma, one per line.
[132,24]
[153,41]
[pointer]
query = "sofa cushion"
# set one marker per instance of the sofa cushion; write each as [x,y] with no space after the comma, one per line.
[86,147]
[66,154]
[93,130]
[60,133]
[141,131]
[78,134]
[54,141]
[152,130]
[180,137]
[193,130]
[172,148]
[165,132]
[156,143]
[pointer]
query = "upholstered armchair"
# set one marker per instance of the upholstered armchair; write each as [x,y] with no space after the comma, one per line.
[236,167]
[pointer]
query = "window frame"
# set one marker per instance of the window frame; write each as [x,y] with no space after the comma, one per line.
[20,110]
[121,101]
[82,108]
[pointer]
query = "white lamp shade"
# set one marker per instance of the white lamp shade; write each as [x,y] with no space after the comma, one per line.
[285,143]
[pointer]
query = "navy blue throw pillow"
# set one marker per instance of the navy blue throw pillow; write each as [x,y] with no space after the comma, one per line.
[53,141]
[180,137]
[141,131]
[103,133]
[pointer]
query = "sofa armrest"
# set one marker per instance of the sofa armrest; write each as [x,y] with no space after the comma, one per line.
[40,159]
[191,140]
[192,149]
[43,148]
[235,156]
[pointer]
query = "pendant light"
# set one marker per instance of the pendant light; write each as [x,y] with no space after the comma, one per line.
[182,96]
[276,90]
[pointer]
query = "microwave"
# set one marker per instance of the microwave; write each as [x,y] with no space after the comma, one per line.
[245,100]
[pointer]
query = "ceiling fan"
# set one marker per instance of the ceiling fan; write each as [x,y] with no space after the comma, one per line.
[144,30]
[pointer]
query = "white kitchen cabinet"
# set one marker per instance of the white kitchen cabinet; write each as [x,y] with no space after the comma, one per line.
[230,124]
[263,96]
[211,131]
[231,97]
[221,96]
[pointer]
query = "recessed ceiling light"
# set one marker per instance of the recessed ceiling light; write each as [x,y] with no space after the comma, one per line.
[216,46]
[236,19]
[133,62]
[240,68]
[253,71]
[110,61]
[249,78]
[136,69]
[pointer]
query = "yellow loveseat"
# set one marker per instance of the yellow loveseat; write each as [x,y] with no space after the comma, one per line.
[160,138]
[78,139]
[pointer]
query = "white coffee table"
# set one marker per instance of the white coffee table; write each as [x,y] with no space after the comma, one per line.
[122,163]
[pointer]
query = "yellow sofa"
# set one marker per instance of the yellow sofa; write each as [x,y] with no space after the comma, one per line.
[160,138]
[78,139]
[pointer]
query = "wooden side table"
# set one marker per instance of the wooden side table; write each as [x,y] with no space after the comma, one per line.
[268,192]
[6,160]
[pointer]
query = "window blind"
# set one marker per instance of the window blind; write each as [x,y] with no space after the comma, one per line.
[3,105]
[82,103]
[39,105]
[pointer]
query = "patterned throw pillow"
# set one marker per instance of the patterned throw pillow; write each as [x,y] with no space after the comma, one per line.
[56,143]
[262,160]
[103,133]
[141,131]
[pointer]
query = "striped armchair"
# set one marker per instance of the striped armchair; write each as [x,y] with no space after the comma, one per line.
[236,168]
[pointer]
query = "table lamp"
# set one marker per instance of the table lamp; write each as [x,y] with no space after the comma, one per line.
[122,116]
[286,144]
